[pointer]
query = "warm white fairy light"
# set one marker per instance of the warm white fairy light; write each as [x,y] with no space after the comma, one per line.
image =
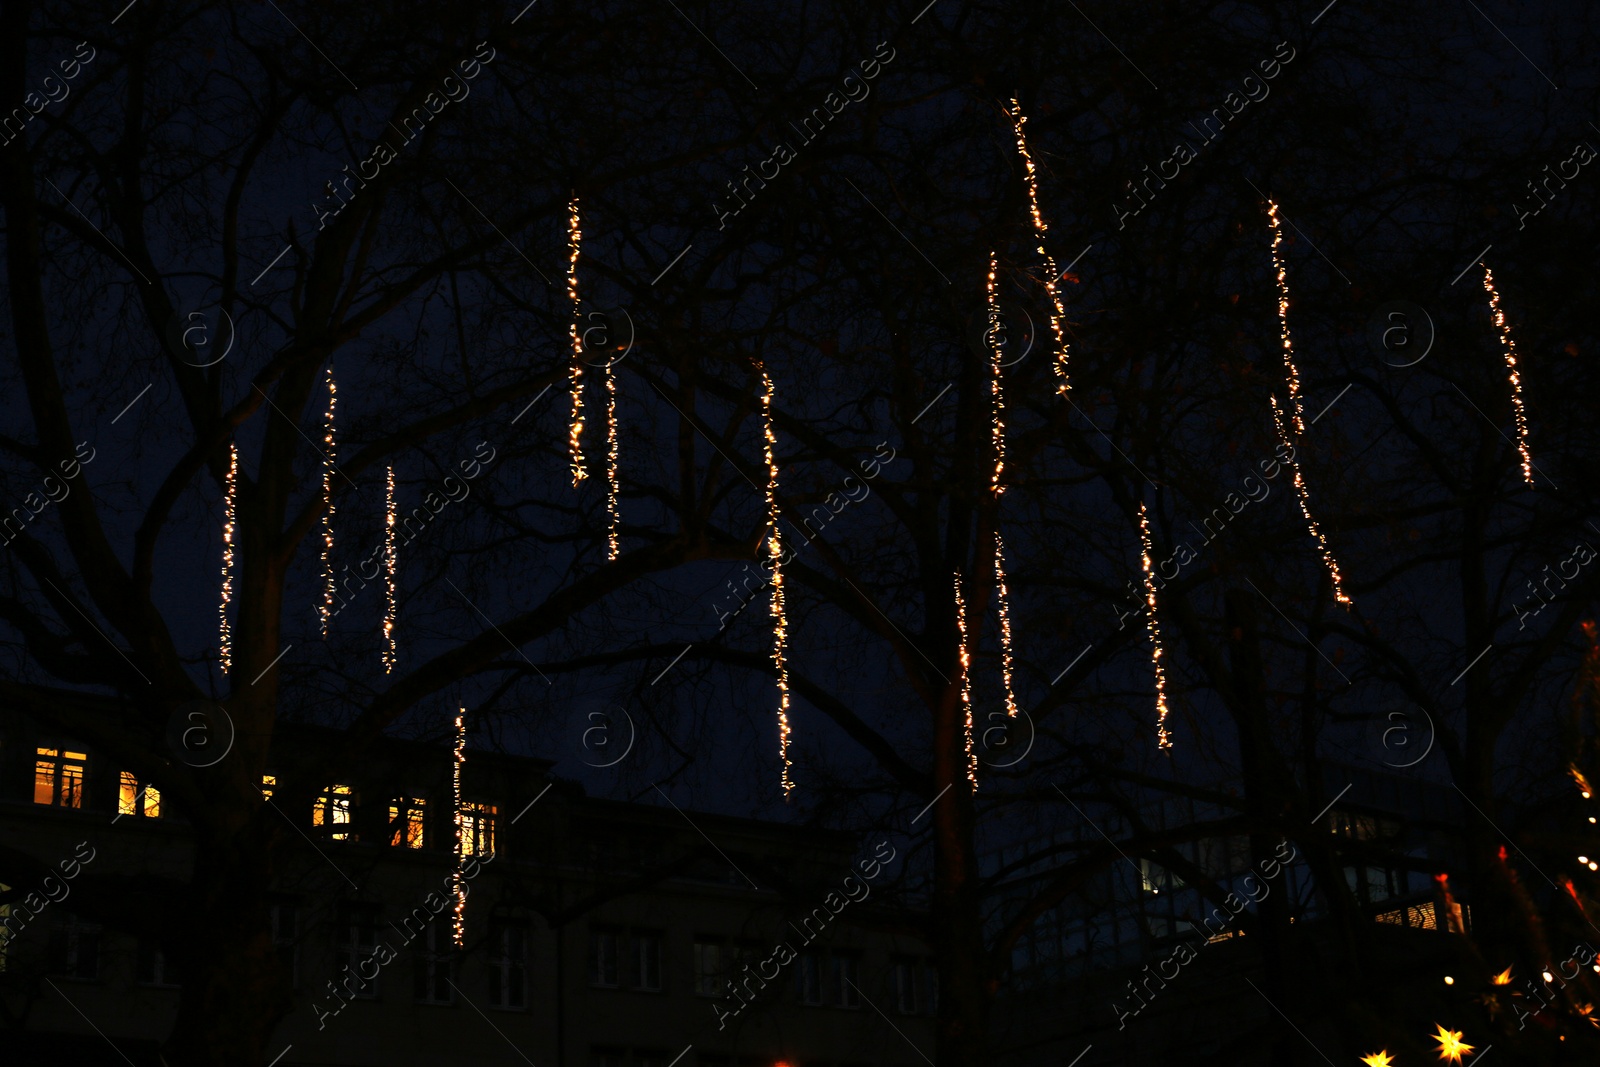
[1511,369]
[330,590]
[1296,413]
[964,657]
[1058,313]
[998,444]
[575,432]
[613,508]
[1146,558]
[780,622]
[390,565]
[458,884]
[230,515]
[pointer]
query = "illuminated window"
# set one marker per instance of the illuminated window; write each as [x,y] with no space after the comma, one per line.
[333,809]
[131,800]
[477,828]
[406,818]
[58,778]
[269,782]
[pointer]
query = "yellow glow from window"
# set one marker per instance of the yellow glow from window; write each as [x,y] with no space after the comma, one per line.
[477,828]
[57,782]
[406,821]
[268,783]
[333,809]
[128,796]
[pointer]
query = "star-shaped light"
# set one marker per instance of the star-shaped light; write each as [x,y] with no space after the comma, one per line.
[1378,1059]
[1450,1044]
[1503,978]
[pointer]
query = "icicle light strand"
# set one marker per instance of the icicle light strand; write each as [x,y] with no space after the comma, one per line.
[998,444]
[330,590]
[1146,554]
[780,623]
[1005,624]
[1511,370]
[390,566]
[230,515]
[458,884]
[1295,417]
[613,489]
[1052,282]
[964,655]
[575,432]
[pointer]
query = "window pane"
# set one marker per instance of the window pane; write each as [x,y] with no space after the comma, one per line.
[128,795]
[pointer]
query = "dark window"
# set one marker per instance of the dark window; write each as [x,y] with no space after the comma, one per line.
[286,936]
[151,966]
[434,963]
[75,949]
[355,939]
[644,960]
[603,953]
[508,966]
[713,961]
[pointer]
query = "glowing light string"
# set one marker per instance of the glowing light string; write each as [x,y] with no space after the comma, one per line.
[998,445]
[964,656]
[1511,369]
[230,515]
[457,882]
[330,590]
[390,567]
[575,432]
[613,509]
[1296,414]
[1058,313]
[780,623]
[1146,556]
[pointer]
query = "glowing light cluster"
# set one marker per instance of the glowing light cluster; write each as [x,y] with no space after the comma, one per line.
[230,515]
[964,653]
[390,567]
[1511,370]
[1004,598]
[1058,313]
[1451,1046]
[330,590]
[575,431]
[1378,1059]
[613,509]
[998,445]
[780,622]
[1296,414]
[457,883]
[1146,557]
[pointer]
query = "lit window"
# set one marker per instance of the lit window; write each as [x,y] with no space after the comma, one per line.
[477,828]
[132,800]
[434,965]
[333,808]
[406,818]
[58,778]
[508,967]
[269,782]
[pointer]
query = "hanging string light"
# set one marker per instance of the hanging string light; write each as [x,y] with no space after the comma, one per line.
[1296,414]
[230,514]
[780,623]
[390,565]
[1058,313]
[613,508]
[1146,561]
[330,590]
[575,432]
[457,882]
[1515,375]
[964,656]
[998,445]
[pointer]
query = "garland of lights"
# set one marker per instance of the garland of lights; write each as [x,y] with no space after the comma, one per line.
[390,565]
[1058,313]
[1297,411]
[998,443]
[1511,370]
[780,622]
[964,656]
[329,589]
[575,431]
[458,884]
[1146,556]
[230,514]
[613,508]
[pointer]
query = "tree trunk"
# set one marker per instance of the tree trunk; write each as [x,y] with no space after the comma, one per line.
[956,924]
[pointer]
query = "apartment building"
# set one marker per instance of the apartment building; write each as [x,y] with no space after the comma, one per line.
[595,933]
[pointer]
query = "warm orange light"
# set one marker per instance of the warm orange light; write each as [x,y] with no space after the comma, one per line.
[780,621]
[1450,1045]
[329,589]
[458,884]
[230,515]
[1378,1059]
[1058,313]
[1515,375]
[391,562]
[1146,554]
[575,431]
[1503,978]
[964,655]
